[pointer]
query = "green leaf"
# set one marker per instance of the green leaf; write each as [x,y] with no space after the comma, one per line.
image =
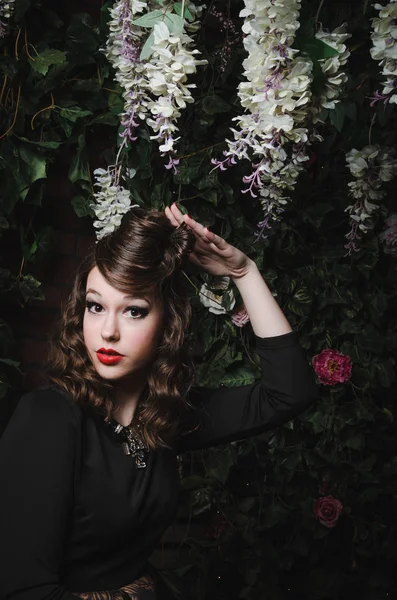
[219,462]
[147,49]
[187,14]
[31,168]
[150,19]
[78,171]
[74,113]
[214,104]
[173,22]
[315,48]
[49,145]
[45,59]
[81,205]
[337,116]
[9,362]
[240,376]
[29,288]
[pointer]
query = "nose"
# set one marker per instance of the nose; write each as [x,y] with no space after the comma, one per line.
[110,328]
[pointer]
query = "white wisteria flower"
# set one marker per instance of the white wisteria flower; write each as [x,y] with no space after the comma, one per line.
[384,49]
[153,68]
[372,166]
[272,133]
[112,201]
[7,7]
[213,301]
[333,70]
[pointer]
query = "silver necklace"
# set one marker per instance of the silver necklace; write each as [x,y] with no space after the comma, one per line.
[132,445]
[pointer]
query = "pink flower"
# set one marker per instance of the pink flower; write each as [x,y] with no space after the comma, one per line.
[332,367]
[327,509]
[240,317]
[389,234]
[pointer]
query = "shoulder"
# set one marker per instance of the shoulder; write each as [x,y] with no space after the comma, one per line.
[49,404]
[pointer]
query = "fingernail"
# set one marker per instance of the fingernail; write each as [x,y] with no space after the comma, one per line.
[188,216]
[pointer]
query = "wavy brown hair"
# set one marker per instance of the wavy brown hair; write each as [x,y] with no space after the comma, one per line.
[146,254]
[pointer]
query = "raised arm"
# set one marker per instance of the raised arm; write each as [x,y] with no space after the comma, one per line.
[286,389]
[37,454]
[287,385]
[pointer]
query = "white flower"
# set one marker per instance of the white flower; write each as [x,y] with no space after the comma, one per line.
[155,88]
[214,301]
[112,201]
[384,47]
[332,68]
[276,95]
[7,7]
[371,166]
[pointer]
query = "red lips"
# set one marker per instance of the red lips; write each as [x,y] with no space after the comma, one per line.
[108,356]
[109,351]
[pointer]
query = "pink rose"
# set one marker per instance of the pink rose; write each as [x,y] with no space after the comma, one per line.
[327,509]
[332,366]
[240,317]
[389,234]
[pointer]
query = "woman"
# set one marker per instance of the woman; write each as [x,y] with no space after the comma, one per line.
[88,464]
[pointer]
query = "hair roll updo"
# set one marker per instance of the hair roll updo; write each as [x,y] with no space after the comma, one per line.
[146,254]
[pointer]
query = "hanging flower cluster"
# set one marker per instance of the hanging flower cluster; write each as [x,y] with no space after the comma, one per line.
[372,167]
[275,95]
[112,201]
[153,68]
[332,69]
[384,49]
[6,9]
[389,235]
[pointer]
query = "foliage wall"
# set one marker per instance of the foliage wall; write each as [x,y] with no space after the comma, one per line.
[308,511]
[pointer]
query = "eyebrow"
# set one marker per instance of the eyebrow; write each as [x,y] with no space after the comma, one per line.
[92,291]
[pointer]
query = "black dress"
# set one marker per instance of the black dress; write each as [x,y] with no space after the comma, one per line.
[76,516]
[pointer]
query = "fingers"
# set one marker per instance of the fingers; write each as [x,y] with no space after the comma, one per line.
[171,217]
[202,233]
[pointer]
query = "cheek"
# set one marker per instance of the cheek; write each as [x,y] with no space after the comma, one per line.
[86,330]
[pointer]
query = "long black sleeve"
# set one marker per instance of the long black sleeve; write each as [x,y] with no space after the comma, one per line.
[226,414]
[37,454]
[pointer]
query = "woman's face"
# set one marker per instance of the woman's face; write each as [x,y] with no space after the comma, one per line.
[121,332]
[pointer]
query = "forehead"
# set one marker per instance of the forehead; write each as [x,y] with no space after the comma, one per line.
[98,285]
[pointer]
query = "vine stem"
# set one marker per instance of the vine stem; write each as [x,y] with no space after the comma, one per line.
[27,47]
[3,88]
[52,105]
[15,115]
[319,10]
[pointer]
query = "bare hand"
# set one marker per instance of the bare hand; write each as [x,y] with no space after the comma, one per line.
[211,252]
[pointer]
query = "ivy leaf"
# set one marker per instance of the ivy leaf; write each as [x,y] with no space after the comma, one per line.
[239,376]
[49,145]
[81,205]
[74,113]
[29,288]
[214,104]
[45,59]
[78,171]
[32,167]
[10,363]
[219,462]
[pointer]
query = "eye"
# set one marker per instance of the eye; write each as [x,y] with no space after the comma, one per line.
[93,307]
[135,311]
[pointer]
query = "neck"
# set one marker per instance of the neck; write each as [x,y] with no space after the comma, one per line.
[126,400]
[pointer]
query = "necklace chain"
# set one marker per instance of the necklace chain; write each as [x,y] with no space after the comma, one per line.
[132,445]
